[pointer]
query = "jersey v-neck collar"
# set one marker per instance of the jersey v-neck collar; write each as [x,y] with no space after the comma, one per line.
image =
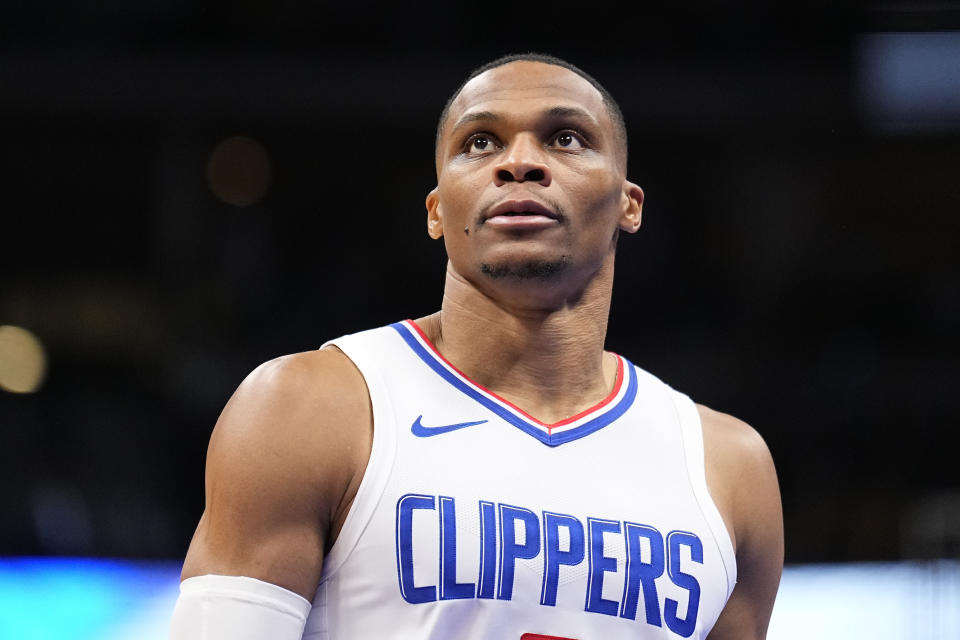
[584,423]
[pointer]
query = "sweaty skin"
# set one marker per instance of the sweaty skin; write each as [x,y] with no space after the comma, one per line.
[530,166]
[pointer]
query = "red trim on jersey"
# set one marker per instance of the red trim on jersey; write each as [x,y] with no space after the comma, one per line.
[549,427]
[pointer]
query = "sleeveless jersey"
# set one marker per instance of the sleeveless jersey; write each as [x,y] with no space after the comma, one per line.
[476,521]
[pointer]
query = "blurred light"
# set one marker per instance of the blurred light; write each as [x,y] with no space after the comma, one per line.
[911,81]
[238,171]
[23,362]
[82,599]
[875,601]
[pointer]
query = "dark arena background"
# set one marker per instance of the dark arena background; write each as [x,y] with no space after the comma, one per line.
[190,189]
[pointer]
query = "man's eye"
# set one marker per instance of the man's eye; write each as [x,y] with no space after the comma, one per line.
[480,143]
[567,140]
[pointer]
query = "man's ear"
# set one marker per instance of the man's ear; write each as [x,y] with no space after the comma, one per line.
[632,206]
[434,215]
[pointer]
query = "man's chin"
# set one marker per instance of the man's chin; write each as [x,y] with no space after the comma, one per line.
[526,269]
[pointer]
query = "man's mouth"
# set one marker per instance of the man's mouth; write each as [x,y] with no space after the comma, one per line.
[521,215]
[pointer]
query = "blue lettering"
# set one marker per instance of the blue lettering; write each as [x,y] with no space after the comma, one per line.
[488,550]
[599,564]
[640,573]
[510,533]
[510,550]
[405,507]
[683,626]
[553,557]
[450,589]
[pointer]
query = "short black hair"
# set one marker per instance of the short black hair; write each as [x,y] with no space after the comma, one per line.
[613,108]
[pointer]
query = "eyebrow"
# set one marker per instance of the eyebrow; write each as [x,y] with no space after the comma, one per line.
[552,112]
[570,112]
[476,116]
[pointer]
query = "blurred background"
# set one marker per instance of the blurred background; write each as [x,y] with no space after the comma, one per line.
[190,189]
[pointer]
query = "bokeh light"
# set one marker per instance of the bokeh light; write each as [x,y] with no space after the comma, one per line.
[238,171]
[23,361]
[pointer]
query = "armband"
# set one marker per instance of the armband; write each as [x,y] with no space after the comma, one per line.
[237,608]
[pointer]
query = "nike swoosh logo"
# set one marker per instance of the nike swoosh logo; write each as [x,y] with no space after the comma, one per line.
[425,432]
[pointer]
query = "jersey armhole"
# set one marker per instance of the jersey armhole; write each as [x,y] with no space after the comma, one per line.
[378,468]
[692,432]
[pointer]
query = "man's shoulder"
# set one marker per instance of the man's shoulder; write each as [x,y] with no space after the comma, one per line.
[734,450]
[732,434]
[740,471]
[743,482]
[295,404]
[323,375]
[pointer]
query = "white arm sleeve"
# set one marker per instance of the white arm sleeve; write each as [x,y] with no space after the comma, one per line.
[237,608]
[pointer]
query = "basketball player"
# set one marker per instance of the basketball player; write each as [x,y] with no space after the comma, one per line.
[490,471]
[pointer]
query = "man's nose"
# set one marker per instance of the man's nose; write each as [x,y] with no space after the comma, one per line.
[524,161]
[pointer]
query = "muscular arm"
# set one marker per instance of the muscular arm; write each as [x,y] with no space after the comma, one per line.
[743,482]
[284,462]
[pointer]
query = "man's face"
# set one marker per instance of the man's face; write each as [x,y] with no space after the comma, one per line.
[530,179]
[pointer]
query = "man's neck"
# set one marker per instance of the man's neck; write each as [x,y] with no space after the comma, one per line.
[548,362]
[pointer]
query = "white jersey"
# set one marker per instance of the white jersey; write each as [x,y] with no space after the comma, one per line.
[474,520]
